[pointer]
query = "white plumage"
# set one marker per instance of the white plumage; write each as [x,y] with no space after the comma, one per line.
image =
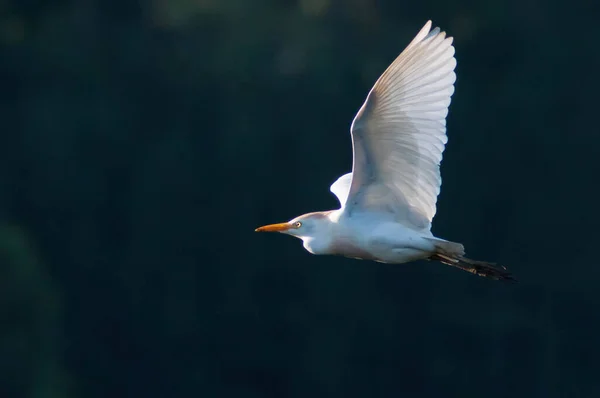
[389,200]
[399,133]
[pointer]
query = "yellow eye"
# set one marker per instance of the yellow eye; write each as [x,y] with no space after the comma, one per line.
[297,224]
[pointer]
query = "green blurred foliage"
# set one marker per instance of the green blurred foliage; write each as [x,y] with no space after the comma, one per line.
[30,339]
[142,142]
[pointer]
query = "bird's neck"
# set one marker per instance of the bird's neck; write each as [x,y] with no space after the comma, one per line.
[321,239]
[317,245]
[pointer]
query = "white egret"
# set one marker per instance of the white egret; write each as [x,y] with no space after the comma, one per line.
[388,201]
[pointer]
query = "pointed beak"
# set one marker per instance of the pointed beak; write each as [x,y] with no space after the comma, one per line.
[281,227]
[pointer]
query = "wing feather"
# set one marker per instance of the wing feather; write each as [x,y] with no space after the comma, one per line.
[341,187]
[399,134]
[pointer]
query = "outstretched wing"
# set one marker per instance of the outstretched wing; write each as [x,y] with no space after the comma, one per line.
[399,134]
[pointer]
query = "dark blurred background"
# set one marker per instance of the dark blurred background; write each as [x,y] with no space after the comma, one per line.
[142,142]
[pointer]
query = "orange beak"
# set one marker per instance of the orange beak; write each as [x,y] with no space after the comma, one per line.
[281,227]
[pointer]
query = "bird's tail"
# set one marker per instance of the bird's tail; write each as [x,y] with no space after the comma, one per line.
[452,254]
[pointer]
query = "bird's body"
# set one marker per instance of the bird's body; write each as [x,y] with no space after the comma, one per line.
[389,200]
[369,236]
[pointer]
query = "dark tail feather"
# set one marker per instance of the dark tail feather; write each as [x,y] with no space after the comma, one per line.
[480,268]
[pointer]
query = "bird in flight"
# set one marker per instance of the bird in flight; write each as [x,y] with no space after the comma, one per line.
[388,201]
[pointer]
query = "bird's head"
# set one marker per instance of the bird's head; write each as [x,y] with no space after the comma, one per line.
[304,226]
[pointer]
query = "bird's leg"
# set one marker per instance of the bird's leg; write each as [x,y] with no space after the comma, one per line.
[480,268]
